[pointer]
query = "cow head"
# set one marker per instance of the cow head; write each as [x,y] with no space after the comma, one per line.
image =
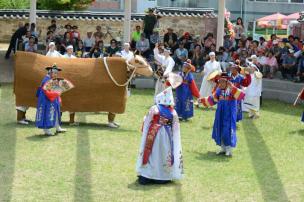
[142,66]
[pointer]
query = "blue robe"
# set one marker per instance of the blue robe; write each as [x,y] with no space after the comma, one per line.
[302,117]
[184,98]
[224,127]
[47,112]
[237,81]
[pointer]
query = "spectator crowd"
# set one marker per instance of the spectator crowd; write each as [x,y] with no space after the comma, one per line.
[284,55]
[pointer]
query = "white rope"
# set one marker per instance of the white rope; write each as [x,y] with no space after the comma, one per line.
[111,76]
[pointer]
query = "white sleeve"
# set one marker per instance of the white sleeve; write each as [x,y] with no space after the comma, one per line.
[219,67]
[170,67]
[157,56]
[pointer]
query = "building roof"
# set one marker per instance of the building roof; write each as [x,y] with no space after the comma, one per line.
[111,16]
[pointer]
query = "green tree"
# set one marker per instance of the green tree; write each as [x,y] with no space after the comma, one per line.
[47,4]
[64,4]
[14,4]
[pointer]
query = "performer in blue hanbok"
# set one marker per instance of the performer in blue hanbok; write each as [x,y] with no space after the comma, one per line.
[239,81]
[160,156]
[224,127]
[48,108]
[185,93]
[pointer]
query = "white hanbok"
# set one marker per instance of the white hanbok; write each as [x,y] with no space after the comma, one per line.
[159,165]
[127,55]
[253,93]
[207,86]
[53,54]
[168,63]
[69,56]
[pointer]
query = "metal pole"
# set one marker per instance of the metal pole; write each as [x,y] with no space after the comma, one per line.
[220,24]
[254,27]
[33,11]
[127,22]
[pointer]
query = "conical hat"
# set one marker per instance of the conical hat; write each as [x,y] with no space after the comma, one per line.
[165,97]
[175,80]
[213,75]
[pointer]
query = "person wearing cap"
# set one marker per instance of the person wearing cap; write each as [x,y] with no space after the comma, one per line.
[68,31]
[170,39]
[289,65]
[240,81]
[166,63]
[160,157]
[52,52]
[224,127]
[185,92]
[210,66]
[149,23]
[253,92]
[48,113]
[126,53]
[69,52]
[75,34]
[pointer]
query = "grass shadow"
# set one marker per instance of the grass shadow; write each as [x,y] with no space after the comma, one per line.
[138,187]
[96,126]
[212,156]
[298,132]
[7,142]
[263,164]
[279,107]
[82,191]
[42,137]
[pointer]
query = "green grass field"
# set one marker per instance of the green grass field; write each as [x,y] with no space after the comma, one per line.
[94,163]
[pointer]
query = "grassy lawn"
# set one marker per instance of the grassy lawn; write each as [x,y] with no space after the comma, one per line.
[94,163]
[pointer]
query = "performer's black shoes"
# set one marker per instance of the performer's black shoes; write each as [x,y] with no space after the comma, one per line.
[146,181]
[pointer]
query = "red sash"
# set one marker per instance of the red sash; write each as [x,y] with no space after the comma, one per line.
[153,129]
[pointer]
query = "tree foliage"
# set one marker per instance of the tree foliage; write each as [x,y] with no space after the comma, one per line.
[14,4]
[64,4]
[47,4]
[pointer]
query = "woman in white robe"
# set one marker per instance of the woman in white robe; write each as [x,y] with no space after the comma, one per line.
[210,66]
[253,93]
[160,157]
[167,62]
[52,51]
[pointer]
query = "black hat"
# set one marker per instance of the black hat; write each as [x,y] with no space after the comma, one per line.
[113,41]
[67,25]
[224,75]
[54,67]
[74,27]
